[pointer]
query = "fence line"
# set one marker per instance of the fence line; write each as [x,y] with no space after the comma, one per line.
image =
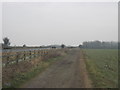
[16,57]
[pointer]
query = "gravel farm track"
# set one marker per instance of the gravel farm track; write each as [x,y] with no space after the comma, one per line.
[70,72]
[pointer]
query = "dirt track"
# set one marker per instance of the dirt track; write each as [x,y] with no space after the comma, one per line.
[65,73]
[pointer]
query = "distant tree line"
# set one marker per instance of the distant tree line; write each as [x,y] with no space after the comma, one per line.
[87,44]
[6,45]
[100,45]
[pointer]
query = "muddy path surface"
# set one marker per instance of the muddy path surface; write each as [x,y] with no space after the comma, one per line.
[63,73]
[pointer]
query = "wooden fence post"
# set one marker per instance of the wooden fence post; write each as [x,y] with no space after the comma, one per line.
[30,54]
[7,61]
[45,53]
[17,58]
[34,53]
[41,52]
[38,53]
[24,56]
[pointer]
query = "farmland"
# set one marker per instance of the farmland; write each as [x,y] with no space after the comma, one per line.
[59,68]
[68,67]
[102,66]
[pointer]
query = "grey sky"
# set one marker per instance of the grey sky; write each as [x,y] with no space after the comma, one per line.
[70,23]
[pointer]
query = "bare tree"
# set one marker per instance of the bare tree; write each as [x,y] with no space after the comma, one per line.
[62,46]
[24,45]
[80,46]
[6,41]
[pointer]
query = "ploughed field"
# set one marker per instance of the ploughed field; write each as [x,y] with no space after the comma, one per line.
[102,65]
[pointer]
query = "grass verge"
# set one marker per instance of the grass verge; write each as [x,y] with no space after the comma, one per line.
[21,78]
[102,66]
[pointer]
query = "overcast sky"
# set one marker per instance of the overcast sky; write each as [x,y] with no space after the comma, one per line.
[70,23]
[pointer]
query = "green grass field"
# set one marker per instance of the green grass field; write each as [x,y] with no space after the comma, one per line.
[102,66]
